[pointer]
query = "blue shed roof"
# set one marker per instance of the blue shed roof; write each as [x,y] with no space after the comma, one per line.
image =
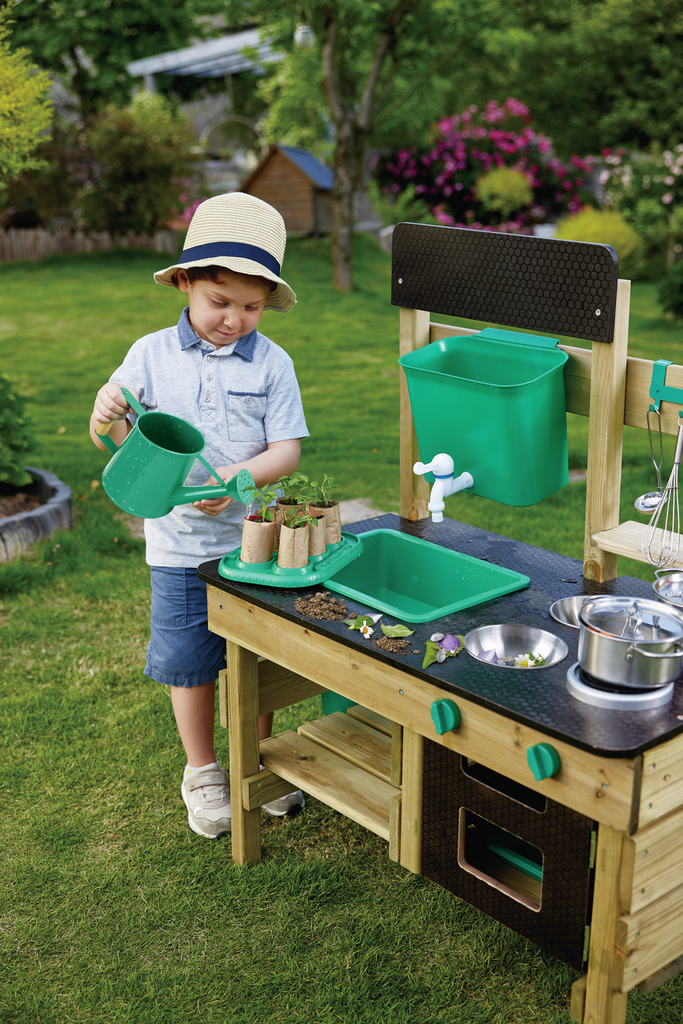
[319,174]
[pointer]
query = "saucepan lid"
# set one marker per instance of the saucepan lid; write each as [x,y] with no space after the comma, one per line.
[630,618]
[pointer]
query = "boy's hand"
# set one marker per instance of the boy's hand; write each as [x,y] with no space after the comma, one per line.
[214,506]
[110,405]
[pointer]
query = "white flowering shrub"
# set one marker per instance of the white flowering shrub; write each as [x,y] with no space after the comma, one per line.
[647,188]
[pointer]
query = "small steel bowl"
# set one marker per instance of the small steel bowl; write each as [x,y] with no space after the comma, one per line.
[509,641]
[670,589]
[566,610]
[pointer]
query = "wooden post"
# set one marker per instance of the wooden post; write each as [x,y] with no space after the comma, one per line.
[243,713]
[604,1005]
[411,802]
[605,440]
[413,334]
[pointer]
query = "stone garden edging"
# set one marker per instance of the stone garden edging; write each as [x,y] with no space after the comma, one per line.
[19,532]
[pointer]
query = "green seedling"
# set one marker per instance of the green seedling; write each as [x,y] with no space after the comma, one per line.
[292,487]
[294,517]
[264,497]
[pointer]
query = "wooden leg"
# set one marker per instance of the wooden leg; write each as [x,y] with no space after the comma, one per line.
[243,715]
[603,1004]
[411,803]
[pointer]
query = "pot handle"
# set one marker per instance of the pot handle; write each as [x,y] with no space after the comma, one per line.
[633,649]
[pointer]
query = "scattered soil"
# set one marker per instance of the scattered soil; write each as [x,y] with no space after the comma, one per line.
[321,606]
[15,503]
[393,644]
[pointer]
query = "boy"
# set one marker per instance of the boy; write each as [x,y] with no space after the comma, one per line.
[240,390]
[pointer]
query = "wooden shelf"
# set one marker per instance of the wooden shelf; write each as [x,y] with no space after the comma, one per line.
[627,540]
[372,718]
[331,779]
[356,742]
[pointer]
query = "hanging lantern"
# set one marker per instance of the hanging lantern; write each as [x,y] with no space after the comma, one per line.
[304,37]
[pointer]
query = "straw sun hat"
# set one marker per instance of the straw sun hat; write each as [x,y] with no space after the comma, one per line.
[241,233]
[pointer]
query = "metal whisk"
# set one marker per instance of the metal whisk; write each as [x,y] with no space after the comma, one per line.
[661,545]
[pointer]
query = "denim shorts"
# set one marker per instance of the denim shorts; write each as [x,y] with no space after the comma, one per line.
[182,651]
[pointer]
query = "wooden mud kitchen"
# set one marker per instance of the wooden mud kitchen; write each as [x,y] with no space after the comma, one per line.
[551,802]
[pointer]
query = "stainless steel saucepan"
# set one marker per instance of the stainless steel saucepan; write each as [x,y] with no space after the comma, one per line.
[629,642]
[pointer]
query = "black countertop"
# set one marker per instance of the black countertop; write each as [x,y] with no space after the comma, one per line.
[538,698]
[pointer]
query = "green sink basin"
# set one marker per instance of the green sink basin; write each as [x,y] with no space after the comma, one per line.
[417,581]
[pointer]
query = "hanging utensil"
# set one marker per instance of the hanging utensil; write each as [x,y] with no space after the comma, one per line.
[661,544]
[649,503]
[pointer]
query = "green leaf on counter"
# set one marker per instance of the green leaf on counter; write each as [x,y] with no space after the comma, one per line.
[397,630]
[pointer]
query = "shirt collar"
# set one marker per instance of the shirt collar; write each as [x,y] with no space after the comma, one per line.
[188,337]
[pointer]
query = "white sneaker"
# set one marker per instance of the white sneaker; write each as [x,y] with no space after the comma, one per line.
[288,805]
[207,797]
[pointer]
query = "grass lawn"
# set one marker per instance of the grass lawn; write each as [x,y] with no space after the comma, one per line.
[112,910]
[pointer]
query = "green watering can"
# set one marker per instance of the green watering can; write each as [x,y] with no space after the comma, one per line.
[146,473]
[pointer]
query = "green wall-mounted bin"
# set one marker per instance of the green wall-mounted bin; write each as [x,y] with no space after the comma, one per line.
[495,403]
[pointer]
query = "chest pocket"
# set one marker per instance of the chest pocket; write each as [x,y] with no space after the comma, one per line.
[246,413]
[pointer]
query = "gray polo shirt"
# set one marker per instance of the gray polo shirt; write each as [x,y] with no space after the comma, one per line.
[241,397]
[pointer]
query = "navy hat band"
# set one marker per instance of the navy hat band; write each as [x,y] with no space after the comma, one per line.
[239,249]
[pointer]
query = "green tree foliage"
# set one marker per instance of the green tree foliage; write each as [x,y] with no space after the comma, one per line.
[125,169]
[88,43]
[596,73]
[380,66]
[141,162]
[25,110]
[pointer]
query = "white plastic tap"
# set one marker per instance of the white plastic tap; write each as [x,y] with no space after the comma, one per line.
[443,468]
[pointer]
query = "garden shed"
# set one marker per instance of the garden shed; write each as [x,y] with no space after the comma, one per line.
[298,185]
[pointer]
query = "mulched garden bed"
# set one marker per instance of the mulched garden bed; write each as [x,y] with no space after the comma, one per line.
[12,504]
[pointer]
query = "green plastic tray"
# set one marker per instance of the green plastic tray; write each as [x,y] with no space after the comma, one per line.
[269,574]
[417,581]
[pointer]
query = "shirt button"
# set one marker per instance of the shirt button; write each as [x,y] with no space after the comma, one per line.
[209,359]
[247,399]
[207,398]
[209,376]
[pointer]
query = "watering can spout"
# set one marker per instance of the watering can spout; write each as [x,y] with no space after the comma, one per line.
[445,482]
[237,488]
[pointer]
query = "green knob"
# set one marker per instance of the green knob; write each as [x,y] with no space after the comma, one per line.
[445,715]
[543,760]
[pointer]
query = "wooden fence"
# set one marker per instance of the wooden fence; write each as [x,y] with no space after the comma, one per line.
[34,243]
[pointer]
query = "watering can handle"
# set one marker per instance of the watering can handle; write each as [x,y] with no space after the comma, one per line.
[102,429]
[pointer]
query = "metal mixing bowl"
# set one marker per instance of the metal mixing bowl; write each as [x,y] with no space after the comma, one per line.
[509,641]
[566,610]
[669,588]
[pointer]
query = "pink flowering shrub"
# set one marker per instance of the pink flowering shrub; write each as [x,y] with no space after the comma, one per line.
[466,147]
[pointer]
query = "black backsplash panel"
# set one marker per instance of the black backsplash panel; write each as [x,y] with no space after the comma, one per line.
[536,284]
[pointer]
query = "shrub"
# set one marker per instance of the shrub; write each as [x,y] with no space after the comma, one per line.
[504,190]
[15,439]
[671,292]
[465,148]
[607,227]
[403,207]
[647,188]
[142,163]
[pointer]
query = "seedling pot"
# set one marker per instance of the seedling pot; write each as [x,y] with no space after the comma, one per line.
[281,506]
[293,549]
[316,536]
[332,515]
[258,539]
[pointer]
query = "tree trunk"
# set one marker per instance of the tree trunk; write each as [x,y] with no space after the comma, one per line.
[342,207]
